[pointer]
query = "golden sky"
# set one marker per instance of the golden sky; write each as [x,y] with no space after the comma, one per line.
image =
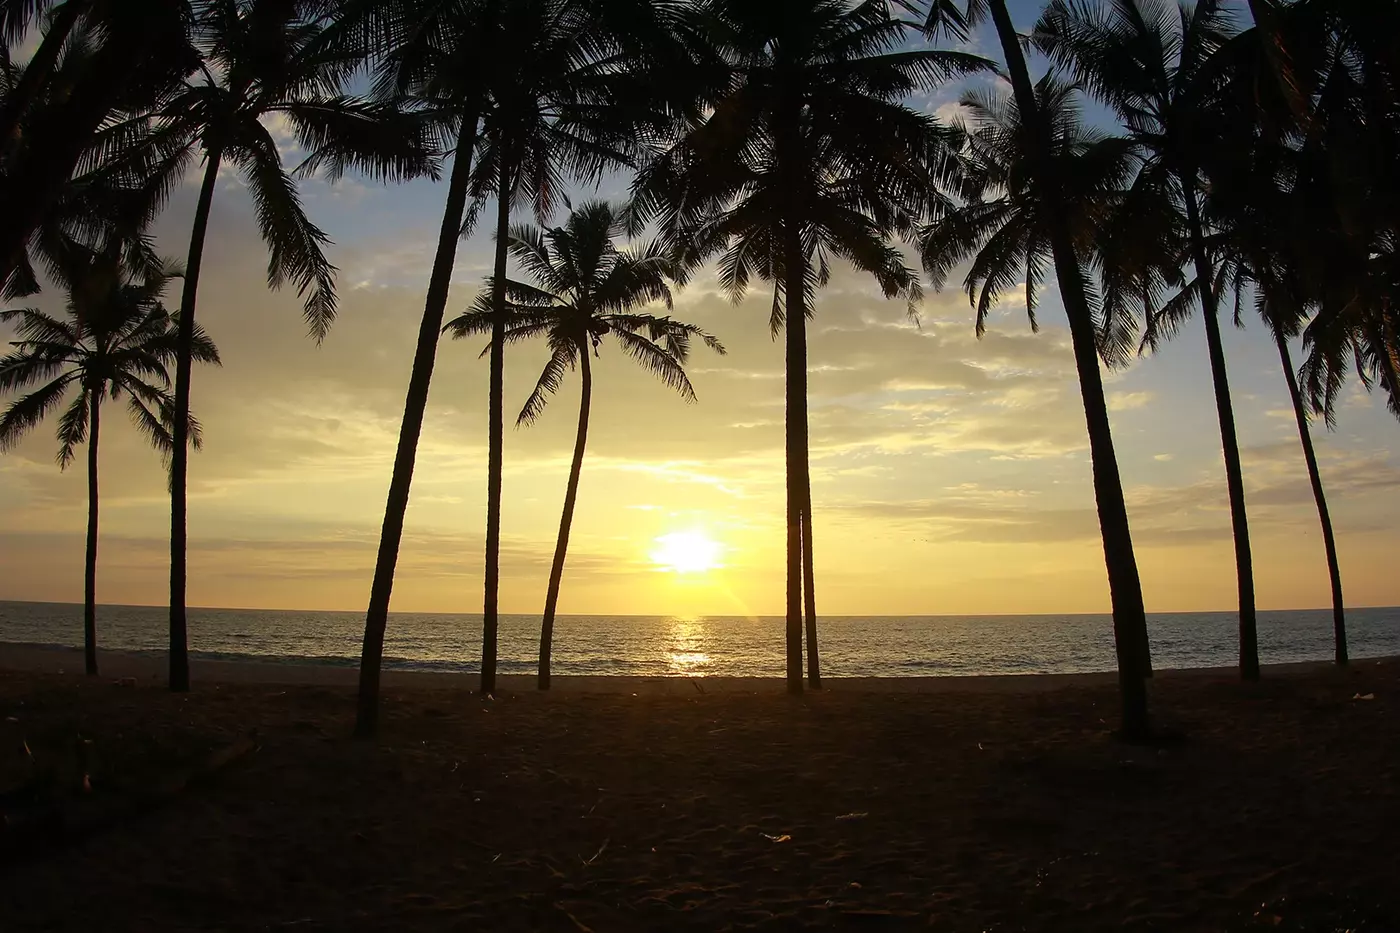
[951,475]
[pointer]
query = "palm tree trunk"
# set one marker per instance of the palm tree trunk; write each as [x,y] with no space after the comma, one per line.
[1224,409]
[795,330]
[809,593]
[1339,624]
[556,570]
[439,283]
[39,69]
[180,430]
[90,563]
[1125,586]
[496,429]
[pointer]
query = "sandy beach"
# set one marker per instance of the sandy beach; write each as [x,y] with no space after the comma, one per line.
[962,804]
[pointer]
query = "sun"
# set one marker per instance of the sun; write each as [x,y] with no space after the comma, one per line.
[685,552]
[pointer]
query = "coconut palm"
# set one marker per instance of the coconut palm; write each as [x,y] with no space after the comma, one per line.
[115,338]
[119,185]
[569,96]
[1041,187]
[435,53]
[1154,62]
[267,59]
[808,154]
[139,52]
[1268,199]
[585,289]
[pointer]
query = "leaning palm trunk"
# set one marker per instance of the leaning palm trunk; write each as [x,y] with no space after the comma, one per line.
[1339,624]
[1125,586]
[496,436]
[795,329]
[809,592]
[1224,408]
[377,617]
[556,570]
[90,564]
[179,454]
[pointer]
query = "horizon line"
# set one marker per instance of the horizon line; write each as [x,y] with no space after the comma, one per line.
[643,615]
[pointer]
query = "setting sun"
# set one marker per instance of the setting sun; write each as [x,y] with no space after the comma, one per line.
[686,552]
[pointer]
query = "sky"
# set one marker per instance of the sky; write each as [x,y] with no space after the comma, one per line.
[951,475]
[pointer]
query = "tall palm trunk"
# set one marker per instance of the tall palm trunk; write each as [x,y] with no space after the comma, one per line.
[39,69]
[1329,543]
[496,430]
[439,283]
[1125,586]
[90,563]
[1224,409]
[556,570]
[180,430]
[809,592]
[795,331]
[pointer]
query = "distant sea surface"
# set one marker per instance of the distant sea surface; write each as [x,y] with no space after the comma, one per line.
[851,646]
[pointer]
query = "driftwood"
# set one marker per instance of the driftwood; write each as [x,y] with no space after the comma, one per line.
[33,822]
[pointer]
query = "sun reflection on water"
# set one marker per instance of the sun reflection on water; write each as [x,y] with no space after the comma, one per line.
[685,642]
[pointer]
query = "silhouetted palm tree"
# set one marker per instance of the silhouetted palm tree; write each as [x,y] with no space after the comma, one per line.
[1263,224]
[139,52]
[266,59]
[1041,187]
[436,54]
[584,290]
[1151,60]
[121,181]
[568,96]
[808,153]
[115,338]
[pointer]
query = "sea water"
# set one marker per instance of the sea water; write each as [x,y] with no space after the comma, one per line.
[851,646]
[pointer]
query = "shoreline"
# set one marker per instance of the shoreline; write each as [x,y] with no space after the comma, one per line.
[147,667]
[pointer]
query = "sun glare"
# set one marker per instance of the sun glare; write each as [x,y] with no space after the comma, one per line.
[685,552]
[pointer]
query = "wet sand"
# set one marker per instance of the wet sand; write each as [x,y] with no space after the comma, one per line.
[962,804]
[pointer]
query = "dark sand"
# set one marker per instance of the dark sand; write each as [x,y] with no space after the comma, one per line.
[968,804]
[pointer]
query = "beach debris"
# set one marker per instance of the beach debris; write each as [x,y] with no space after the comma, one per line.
[601,849]
[1364,696]
[854,815]
[579,924]
[783,838]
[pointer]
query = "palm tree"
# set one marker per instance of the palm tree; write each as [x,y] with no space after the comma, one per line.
[586,288]
[141,51]
[1267,212]
[116,338]
[808,153]
[1154,61]
[120,183]
[568,96]
[268,58]
[435,53]
[1041,185]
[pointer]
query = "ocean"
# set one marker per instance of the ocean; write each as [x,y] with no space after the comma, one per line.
[851,646]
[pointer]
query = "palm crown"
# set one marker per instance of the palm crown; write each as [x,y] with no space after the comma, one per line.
[1004,224]
[267,60]
[586,290]
[116,339]
[810,125]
